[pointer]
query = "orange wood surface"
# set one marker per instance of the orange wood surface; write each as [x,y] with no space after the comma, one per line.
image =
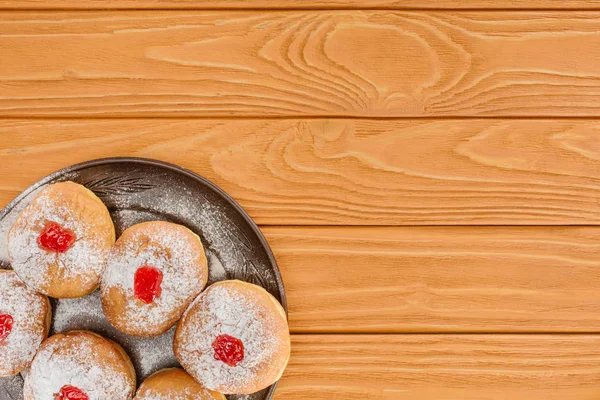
[304,63]
[427,173]
[448,367]
[440,279]
[304,4]
[345,172]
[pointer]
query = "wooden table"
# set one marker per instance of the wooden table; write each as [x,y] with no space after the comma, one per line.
[428,177]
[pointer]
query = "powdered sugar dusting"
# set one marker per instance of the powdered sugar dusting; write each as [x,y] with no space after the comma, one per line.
[84,260]
[232,254]
[10,219]
[11,387]
[65,361]
[153,354]
[175,394]
[182,394]
[28,310]
[225,310]
[85,313]
[216,272]
[168,195]
[174,251]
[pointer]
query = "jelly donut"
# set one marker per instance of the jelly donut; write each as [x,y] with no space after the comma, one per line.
[59,243]
[234,338]
[174,384]
[153,273]
[24,323]
[80,365]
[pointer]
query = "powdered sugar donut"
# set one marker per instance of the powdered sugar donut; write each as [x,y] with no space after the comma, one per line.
[24,323]
[174,384]
[153,273]
[80,365]
[234,338]
[59,243]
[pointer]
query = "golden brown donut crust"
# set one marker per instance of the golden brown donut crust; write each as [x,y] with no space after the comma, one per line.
[84,351]
[32,315]
[174,384]
[76,272]
[171,248]
[246,312]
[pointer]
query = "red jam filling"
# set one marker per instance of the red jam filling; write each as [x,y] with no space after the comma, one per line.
[69,392]
[146,283]
[6,324]
[228,349]
[55,238]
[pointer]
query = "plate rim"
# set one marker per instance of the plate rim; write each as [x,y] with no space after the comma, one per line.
[180,170]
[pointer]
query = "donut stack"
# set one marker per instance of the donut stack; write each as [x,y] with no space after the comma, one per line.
[232,338]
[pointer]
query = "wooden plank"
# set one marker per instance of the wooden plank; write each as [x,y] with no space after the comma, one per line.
[300,63]
[345,172]
[426,367]
[434,279]
[304,4]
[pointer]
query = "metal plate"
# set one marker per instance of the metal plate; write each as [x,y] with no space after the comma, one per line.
[137,190]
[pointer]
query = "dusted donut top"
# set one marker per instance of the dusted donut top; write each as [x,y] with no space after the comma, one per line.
[24,320]
[174,384]
[59,243]
[153,273]
[82,362]
[234,338]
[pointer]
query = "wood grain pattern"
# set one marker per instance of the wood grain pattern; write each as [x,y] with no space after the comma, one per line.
[404,285]
[329,63]
[443,367]
[345,172]
[304,4]
[436,279]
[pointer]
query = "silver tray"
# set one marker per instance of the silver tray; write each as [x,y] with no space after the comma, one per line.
[137,190]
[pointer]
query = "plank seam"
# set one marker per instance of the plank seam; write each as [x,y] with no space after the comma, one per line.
[432,226]
[297,117]
[448,333]
[298,9]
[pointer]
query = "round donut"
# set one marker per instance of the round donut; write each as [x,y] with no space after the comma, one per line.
[174,384]
[24,323]
[153,273]
[59,243]
[234,338]
[80,365]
